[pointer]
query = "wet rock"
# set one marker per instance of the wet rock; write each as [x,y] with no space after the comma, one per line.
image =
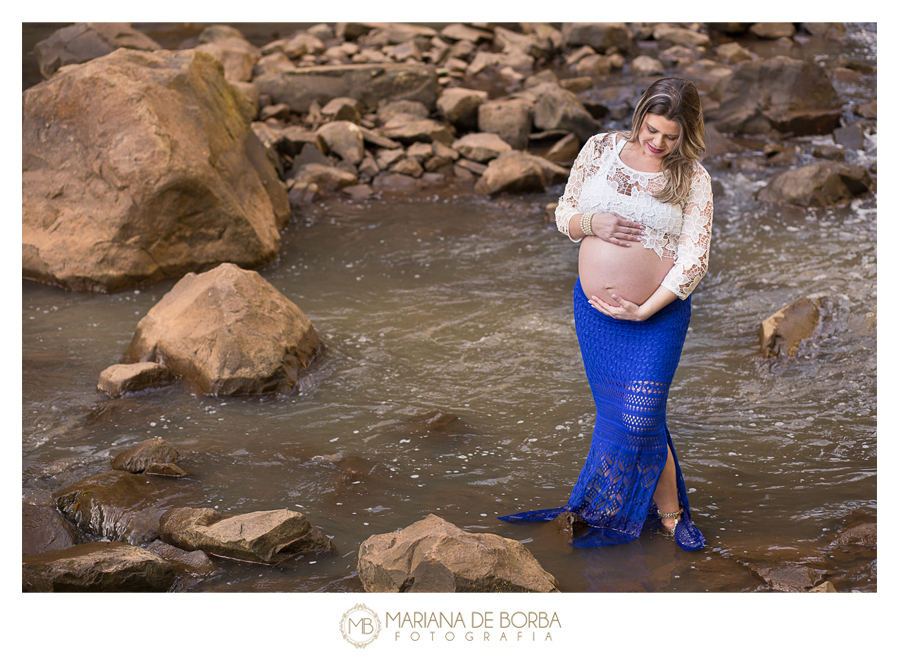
[342,138]
[733,52]
[265,536]
[781,333]
[82,42]
[165,469]
[824,587]
[228,45]
[780,94]
[559,109]
[227,332]
[45,529]
[367,83]
[512,172]
[116,505]
[459,106]
[134,184]
[818,185]
[481,147]
[680,36]
[140,457]
[790,578]
[97,567]
[196,562]
[599,36]
[773,30]
[644,65]
[126,377]
[570,525]
[433,555]
[863,534]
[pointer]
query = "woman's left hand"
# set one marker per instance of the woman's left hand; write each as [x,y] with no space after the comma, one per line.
[626,311]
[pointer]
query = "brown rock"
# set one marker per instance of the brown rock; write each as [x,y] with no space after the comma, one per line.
[323,176]
[342,138]
[228,332]
[134,184]
[194,561]
[680,36]
[460,32]
[773,30]
[97,567]
[510,119]
[644,65]
[422,130]
[559,109]
[565,150]
[732,53]
[138,458]
[273,63]
[863,534]
[433,555]
[115,505]
[780,334]
[125,377]
[779,93]
[82,42]
[367,83]
[599,36]
[819,185]
[266,536]
[44,529]
[481,147]
[343,109]
[459,106]
[228,45]
[790,578]
[512,172]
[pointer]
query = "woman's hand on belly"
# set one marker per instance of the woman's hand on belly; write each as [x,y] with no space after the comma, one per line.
[615,229]
[629,310]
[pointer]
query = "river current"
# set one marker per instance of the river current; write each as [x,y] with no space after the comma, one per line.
[444,300]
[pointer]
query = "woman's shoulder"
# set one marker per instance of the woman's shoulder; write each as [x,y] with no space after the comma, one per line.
[700,176]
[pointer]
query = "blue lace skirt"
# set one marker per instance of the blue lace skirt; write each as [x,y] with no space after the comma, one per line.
[629,366]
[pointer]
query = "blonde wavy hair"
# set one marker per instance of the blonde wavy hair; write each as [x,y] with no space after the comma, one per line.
[679,101]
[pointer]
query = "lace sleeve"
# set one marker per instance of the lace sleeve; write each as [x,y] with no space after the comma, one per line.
[568,202]
[692,252]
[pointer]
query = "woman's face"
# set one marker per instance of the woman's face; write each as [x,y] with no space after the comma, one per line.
[658,136]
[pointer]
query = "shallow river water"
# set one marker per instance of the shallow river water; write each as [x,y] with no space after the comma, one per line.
[443,300]
[463,304]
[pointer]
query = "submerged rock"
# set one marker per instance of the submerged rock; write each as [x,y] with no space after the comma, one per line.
[433,555]
[97,567]
[266,536]
[790,578]
[45,529]
[781,333]
[227,332]
[139,458]
[141,166]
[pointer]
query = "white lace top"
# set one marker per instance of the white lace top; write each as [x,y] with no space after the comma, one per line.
[601,182]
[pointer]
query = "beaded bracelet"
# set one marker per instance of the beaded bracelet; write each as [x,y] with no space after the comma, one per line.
[586,223]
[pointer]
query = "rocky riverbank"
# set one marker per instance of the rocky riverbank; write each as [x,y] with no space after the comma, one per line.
[141,164]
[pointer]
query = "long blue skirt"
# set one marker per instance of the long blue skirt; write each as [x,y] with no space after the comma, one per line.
[629,366]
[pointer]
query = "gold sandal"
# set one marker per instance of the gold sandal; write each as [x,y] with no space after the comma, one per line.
[663,530]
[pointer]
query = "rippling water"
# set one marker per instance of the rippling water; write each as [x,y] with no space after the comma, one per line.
[463,304]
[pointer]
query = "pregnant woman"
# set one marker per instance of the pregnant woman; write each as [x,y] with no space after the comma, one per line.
[641,205]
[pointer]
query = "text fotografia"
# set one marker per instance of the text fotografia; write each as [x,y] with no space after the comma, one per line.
[478,626]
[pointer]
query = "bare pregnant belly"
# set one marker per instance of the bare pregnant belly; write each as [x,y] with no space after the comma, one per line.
[633,273]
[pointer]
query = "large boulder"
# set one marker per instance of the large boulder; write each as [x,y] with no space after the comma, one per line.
[82,42]
[97,567]
[141,166]
[512,172]
[509,118]
[367,83]
[557,108]
[266,536]
[44,528]
[139,458]
[818,185]
[778,94]
[228,332]
[433,555]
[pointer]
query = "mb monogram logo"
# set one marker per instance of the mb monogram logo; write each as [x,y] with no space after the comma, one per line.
[360,626]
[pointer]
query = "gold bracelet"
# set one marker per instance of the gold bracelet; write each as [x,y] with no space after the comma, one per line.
[586,223]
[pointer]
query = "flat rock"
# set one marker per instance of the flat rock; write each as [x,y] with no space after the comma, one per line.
[819,185]
[781,333]
[138,458]
[433,555]
[97,567]
[122,378]
[266,536]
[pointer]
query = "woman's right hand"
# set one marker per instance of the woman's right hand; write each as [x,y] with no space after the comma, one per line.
[615,229]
